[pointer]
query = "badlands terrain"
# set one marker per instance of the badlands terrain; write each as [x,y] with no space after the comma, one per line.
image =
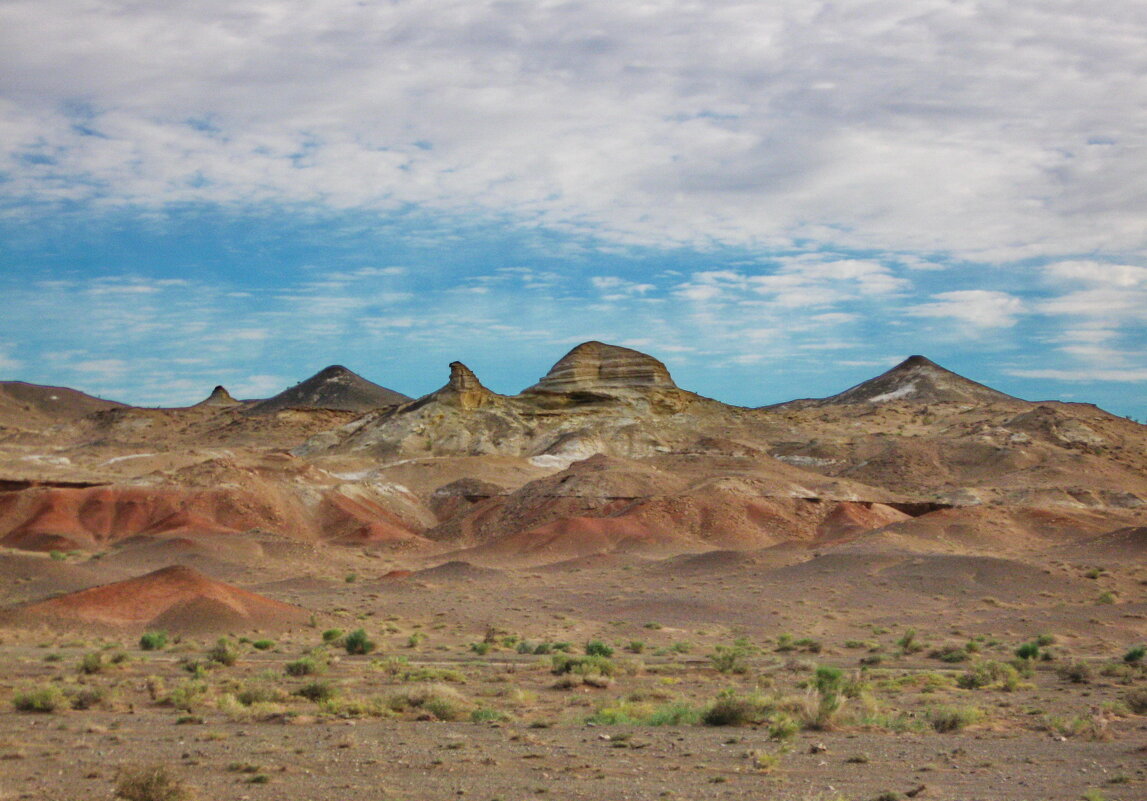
[605,586]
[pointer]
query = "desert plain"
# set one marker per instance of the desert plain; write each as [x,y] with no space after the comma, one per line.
[603,587]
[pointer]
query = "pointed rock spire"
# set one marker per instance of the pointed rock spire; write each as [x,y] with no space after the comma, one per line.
[219,397]
[462,378]
[464,387]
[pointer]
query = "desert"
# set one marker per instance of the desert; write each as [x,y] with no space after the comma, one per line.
[604,586]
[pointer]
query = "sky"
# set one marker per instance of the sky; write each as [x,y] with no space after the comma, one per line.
[777,199]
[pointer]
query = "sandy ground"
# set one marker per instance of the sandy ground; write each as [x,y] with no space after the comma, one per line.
[524,731]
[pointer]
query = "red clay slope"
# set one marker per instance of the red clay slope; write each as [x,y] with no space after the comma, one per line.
[177,598]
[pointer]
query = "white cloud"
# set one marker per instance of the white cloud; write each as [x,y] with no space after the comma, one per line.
[1014,131]
[259,386]
[1086,374]
[1100,273]
[978,308]
[8,363]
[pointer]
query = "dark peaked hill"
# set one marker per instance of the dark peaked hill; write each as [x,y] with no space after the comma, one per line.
[334,387]
[917,380]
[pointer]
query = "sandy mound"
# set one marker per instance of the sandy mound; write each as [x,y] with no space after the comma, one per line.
[455,570]
[175,598]
[1122,544]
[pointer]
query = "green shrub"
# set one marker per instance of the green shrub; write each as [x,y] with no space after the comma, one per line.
[1135,654]
[731,709]
[45,698]
[950,654]
[263,645]
[582,665]
[481,648]
[1076,672]
[358,643]
[333,636]
[988,673]
[224,652]
[674,714]
[153,641]
[908,643]
[827,679]
[92,663]
[1106,597]
[443,703]
[1029,650]
[87,697]
[258,694]
[729,659]
[1136,701]
[598,648]
[317,691]
[306,666]
[485,714]
[783,727]
[150,783]
[952,718]
[187,695]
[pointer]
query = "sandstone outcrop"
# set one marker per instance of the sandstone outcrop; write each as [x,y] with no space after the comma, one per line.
[594,366]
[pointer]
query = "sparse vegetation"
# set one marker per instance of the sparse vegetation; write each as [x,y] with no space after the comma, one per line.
[153,641]
[953,718]
[150,783]
[45,698]
[598,648]
[357,642]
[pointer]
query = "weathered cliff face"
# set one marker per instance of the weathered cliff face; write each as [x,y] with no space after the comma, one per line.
[594,366]
[597,399]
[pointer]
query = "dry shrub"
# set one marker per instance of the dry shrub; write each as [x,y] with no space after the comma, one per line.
[151,783]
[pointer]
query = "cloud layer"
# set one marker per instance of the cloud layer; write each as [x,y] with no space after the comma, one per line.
[195,192]
[982,129]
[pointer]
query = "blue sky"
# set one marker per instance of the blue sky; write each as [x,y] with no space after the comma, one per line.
[778,200]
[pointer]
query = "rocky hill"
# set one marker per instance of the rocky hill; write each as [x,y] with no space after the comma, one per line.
[334,387]
[917,379]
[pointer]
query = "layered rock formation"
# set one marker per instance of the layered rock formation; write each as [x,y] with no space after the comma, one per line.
[593,366]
